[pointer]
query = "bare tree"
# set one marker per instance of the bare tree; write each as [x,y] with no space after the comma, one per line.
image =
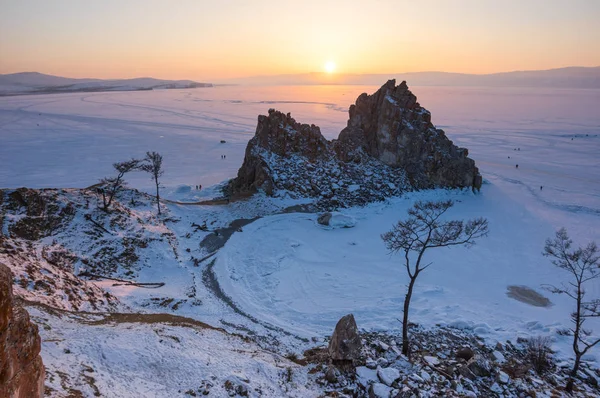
[153,166]
[583,264]
[109,186]
[424,230]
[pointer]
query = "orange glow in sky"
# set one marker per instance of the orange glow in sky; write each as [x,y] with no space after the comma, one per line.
[204,40]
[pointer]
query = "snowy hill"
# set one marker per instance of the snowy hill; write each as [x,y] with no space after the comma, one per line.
[39,83]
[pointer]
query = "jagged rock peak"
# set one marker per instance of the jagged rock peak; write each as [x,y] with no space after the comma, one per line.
[389,146]
[280,134]
[391,126]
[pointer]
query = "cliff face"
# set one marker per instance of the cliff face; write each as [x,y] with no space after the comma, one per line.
[388,146]
[21,368]
[391,126]
[280,135]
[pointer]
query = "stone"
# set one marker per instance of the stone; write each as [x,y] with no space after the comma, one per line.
[379,390]
[21,369]
[345,344]
[371,363]
[503,378]
[383,346]
[496,388]
[465,353]
[498,356]
[480,367]
[332,375]
[324,218]
[388,375]
[432,361]
[366,376]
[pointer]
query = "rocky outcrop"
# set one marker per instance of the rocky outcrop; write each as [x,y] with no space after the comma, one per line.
[21,368]
[43,214]
[391,126]
[279,135]
[388,147]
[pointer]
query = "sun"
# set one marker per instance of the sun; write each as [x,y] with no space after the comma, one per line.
[329,66]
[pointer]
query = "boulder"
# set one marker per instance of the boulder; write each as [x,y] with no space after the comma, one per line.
[324,218]
[379,390]
[388,375]
[345,344]
[336,220]
[465,353]
[21,369]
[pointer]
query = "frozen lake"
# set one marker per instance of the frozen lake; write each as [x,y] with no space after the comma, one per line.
[71,140]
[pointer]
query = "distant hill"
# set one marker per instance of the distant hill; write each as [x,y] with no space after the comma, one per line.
[39,83]
[571,77]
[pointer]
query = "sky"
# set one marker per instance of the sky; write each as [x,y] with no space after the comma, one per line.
[210,39]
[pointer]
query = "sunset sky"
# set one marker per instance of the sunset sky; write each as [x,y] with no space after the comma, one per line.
[203,40]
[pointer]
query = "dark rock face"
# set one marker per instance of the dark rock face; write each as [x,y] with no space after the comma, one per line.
[21,368]
[281,135]
[391,126]
[388,147]
[43,215]
[345,344]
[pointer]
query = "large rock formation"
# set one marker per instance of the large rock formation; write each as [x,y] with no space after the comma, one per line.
[279,135]
[21,368]
[389,146]
[391,126]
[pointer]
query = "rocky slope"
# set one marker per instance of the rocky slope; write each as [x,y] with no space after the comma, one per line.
[389,146]
[21,367]
[49,238]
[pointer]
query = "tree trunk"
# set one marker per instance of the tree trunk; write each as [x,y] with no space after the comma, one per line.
[578,322]
[104,205]
[571,382]
[157,197]
[405,344]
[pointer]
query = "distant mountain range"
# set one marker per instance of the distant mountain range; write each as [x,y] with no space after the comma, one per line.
[571,77]
[39,83]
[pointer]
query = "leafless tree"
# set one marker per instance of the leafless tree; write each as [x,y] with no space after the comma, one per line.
[110,186]
[153,165]
[583,264]
[422,230]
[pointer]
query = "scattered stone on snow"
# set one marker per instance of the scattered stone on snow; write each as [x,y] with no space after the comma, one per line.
[345,344]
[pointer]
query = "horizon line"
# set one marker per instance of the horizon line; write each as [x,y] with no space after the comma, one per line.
[312,73]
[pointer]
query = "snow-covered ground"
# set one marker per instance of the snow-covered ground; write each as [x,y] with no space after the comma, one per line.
[288,276]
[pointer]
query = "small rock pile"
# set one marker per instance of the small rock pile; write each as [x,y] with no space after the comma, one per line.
[333,182]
